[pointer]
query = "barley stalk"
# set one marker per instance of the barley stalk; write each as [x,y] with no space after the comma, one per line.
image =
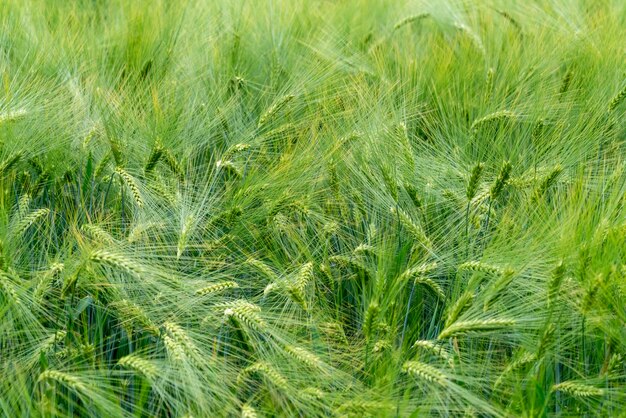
[479,266]
[275,108]
[579,390]
[12,116]
[216,288]
[12,160]
[63,378]
[414,229]
[153,158]
[436,349]
[29,220]
[410,19]
[263,268]
[459,306]
[98,234]
[303,356]
[369,319]
[265,370]
[115,260]
[424,371]
[245,313]
[130,183]
[475,327]
[501,180]
[617,99]
[140,365]
[247,411]
[548,181]
[132,313]
[434,286]
[172,163]
[494,117]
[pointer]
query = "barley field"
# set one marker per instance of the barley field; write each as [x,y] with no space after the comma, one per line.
[312,208]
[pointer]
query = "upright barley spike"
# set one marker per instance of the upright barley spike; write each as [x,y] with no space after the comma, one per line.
[8,288]
[554,285]
[102,164]
[473,181]
[153,159]
[470,193]
[369,319]
[489,83]
[297,286]
[413,195]
[23,205]
[501,180]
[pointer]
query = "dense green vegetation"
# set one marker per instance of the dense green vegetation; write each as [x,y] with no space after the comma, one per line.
[312,208]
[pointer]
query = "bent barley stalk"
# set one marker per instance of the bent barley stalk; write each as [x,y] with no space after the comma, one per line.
[28,220]
[129,182]
[140,365]
[424,371]
[475,327]
[274,109]
[410,19]
[579,390]
[216,288]
[118,261]
[65,379]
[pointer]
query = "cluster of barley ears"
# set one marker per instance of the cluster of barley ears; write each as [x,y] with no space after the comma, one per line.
[235,208]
